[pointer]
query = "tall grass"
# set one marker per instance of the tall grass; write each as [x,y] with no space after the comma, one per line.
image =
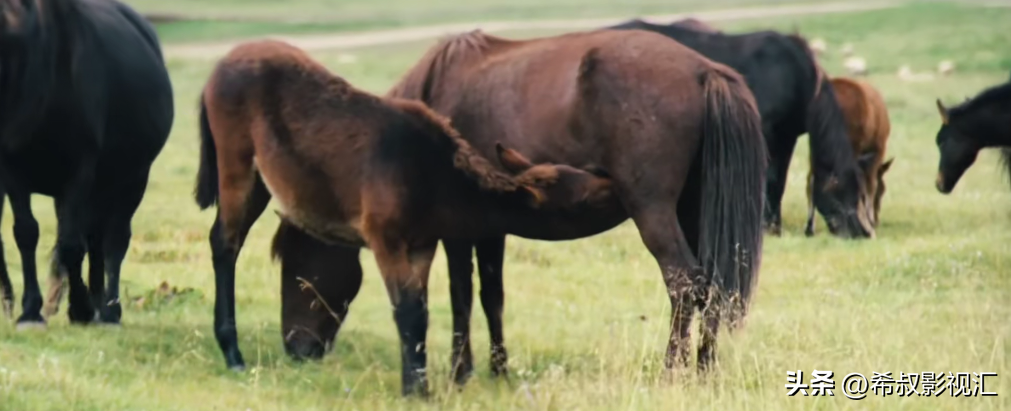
[586,321]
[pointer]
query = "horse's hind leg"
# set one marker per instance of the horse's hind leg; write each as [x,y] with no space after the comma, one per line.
[6,288]
[115,240]
[96,265]
[241,204]
[490,256]
[459,256]
[26,235]
[661,233]
[710,329]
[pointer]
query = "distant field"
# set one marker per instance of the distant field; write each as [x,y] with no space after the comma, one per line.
[585,321]
[256,17]
[411,11]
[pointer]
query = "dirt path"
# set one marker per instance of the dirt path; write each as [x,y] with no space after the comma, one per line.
[380,37]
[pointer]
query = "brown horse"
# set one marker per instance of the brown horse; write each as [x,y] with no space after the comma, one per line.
[354,169]
[679,134]
[868,126]
[318,283]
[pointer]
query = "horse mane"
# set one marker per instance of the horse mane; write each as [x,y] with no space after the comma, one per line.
[1000,92]
[819,76]
[465,157]
[418,82]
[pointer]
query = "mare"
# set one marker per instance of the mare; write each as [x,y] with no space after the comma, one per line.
[869,127]
[679,134]
[350,168]
[983,121]
[794,97]
[87,107]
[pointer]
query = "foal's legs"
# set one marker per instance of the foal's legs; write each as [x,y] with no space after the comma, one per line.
[459,254]
[26,235]
[490,255]
[405,272]
[239,207]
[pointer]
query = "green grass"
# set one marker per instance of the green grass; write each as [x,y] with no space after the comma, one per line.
[586,321]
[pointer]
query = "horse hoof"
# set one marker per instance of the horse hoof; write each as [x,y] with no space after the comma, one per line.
[238,369]
[31,325]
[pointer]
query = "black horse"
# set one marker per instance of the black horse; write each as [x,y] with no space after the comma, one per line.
[983,121]
[86,108]
[794,97]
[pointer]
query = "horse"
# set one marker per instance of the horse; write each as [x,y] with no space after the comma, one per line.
[983,121]
[87,108]
[695,24]
[354,169]
[869,127]
[679,134]
[319,281]
[794,97]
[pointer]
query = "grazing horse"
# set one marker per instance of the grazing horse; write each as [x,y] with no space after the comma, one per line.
[794,97]
[695,24]
[679,134]
[353,169]
[983,121]
[86,108]
[318,283]
[868,124]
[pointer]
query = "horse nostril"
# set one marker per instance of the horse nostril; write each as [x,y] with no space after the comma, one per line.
[305,350]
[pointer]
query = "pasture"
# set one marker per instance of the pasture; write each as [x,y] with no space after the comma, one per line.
[586,321]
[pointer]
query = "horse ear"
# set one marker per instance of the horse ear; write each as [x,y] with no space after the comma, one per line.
[885,166]
[944,112]
[512,160]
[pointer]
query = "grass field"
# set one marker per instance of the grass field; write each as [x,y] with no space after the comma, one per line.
[586,321]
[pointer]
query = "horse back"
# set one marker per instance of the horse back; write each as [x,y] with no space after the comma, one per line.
[865,112]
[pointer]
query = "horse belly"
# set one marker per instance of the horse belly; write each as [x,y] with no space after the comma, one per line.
[311,205]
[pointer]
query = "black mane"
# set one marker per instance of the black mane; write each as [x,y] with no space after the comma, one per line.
[995,94]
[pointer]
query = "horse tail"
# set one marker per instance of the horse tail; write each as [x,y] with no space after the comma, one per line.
[206,191]
[734,161]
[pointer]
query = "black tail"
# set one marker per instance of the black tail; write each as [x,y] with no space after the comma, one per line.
[734,159]
[206,191]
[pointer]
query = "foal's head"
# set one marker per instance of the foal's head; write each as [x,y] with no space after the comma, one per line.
[983,121]
[552,187]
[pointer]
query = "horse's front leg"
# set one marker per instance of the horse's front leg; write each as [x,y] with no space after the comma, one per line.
[459,256]
[405,272]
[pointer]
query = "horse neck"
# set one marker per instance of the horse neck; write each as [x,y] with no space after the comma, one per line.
[831,148]
[992,125]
